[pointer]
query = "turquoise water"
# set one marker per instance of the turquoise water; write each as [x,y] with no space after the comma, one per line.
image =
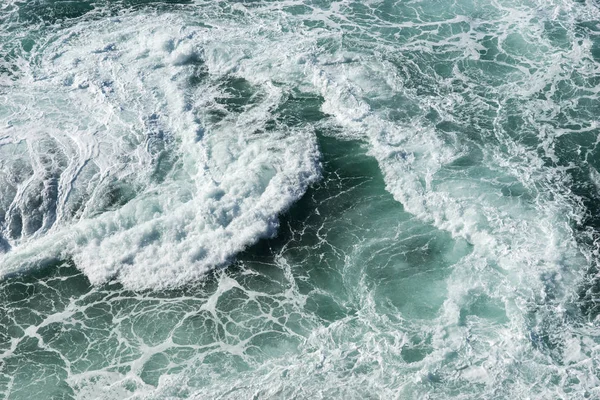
[299,199]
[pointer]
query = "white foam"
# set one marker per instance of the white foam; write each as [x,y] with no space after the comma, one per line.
[232,180]
[520,243]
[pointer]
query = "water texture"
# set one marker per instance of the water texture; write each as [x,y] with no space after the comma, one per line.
[299,199]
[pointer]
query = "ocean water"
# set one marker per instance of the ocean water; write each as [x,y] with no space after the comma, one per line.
[299,199]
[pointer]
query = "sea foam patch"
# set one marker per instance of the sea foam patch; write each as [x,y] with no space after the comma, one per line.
[135,160]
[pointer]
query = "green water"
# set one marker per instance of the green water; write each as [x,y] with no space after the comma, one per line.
[299,199]
[354,263]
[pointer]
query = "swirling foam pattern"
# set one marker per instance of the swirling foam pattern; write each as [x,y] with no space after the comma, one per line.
[434,164]
[137,163]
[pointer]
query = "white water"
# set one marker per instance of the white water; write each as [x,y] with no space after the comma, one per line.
[114,96]
[104,104]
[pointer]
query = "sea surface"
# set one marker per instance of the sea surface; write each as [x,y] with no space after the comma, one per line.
[299,199]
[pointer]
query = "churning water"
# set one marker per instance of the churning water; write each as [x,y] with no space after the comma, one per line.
[299,199]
